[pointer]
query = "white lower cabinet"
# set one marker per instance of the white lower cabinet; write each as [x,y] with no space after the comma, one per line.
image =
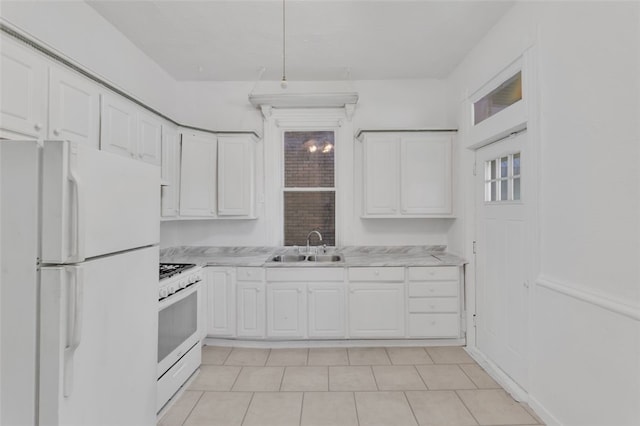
[326,306]
[434,302]
[376,309]
[250,299]
[221,301]
[286,310]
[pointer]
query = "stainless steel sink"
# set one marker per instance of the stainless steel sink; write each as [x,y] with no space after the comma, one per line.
[293,258]
[325,258]
[289,258]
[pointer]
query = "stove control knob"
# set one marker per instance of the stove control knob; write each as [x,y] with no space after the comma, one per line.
[184,283]
[163,293]
[172,290]
[193,279]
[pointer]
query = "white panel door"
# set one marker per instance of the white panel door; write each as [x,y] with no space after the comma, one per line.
[376,310]
[425,182]
[503,250]
[170,191]
[198,176]
[251,309]
[149,138]
[118,128]
[235,176]
[74,108]
[221,296]
[23,85]
[326,304]
[286,310]
[99,341]
[381,175]
[96,202]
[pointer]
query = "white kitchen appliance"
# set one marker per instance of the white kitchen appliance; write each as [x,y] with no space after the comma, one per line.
[179,331]
[79,232]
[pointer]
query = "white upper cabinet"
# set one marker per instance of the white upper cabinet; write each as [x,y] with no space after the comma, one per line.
[198,175]
[129,130]
[407,174]
[119,124]
[236,181]
[425,175]
[74,107]
[170,170]
[381,164]
[23,104]
[149,138]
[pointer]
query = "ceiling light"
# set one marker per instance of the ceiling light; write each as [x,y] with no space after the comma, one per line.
[284,83]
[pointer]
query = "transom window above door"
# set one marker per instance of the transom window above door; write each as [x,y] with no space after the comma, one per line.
[309,186]
[502,178]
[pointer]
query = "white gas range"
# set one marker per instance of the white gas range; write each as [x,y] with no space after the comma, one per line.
[179,353]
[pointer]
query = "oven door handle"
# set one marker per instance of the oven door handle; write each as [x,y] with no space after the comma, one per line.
[178,296]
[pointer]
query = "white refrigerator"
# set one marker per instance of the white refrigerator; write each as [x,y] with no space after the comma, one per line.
[79,233]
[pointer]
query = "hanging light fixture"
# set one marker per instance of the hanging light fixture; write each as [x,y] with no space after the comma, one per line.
[283,82]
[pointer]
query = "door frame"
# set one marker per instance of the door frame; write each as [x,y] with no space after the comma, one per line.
[503,127]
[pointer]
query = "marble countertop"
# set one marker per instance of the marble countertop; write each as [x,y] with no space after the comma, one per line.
[353,256]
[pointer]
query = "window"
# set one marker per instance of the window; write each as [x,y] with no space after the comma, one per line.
[507,94]
[502,179]
[309,186]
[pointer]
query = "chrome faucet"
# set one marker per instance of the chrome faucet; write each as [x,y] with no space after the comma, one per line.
[309,237]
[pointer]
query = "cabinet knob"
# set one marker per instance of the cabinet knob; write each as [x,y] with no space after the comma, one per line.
[56,132]
[37,126]
[376,273]
[299,291]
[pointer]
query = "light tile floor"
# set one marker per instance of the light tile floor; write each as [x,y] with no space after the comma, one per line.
[426,386]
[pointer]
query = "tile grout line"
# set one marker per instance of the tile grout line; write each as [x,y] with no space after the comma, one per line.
[246,411]
[415,367]
[374,377]
[284,370]
[301,408]
[227,357]
[192,408]
[355,405]
[470,378]
[235,380]
[465,406]
[404,393]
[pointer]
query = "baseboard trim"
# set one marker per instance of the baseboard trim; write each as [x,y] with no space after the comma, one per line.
[277,344]
[514,389]
[593,298]
[544,414]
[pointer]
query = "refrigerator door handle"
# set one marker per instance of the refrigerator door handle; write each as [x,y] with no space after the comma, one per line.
[79,213]
[75,295]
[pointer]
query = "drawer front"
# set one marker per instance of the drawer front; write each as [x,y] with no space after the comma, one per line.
[433,304]
[376,274]
[175,377]
[433,289]
[434,325]
[305,274]
[250,274]
[436,273]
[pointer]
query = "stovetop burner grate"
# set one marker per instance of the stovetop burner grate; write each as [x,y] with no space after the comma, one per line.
[170,269]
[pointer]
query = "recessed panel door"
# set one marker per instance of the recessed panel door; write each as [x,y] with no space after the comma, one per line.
[503,250]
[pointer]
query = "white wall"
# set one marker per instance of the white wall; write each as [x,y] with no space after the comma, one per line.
[585,321]
[77,32]
[382,104]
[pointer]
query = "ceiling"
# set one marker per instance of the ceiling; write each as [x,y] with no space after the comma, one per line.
[325,39]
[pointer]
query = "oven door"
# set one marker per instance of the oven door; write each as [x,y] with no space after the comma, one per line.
[177,326]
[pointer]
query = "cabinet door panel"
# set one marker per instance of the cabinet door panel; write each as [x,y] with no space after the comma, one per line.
[198,176]
[170,171]
[235,176]
[74,108]
[221,302]
[425,175]
[381,175]
[23,84]
[326,310]
[286,310]
[376,310]
[251,303]
[149,138]
[118,126]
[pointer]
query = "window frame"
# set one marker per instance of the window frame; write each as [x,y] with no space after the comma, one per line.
[509,178]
